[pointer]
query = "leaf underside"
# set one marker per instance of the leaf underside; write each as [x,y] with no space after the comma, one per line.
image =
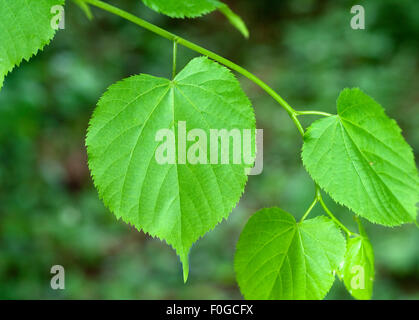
[175,202]
[361,160]
[277,258]
[25,28]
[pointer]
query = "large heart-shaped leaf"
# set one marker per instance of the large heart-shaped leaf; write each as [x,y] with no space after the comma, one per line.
[178,202]
[277,258]
[25,28]
[361,159]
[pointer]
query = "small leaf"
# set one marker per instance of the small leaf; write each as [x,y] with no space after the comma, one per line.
[361,159]
[25,28]
[177,202]
[358,268]
[277,258]
[194,8]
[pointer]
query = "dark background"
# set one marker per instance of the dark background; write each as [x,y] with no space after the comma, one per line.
[50,212]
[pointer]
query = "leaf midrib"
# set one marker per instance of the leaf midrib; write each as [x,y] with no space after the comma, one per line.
[366,164]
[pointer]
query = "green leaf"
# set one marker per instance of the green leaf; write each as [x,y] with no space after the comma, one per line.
[25,28]
[277,258]
[194,8]
[358,268]
[183,8]
[361,159]
[175,202]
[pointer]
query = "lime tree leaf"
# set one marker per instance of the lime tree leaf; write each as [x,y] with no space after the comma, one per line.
[361,159]
[194,8]
[358,268]
[277,258]
[178,202]
[25,28]
[183,8]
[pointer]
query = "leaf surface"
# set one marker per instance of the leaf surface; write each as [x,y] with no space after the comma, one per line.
[183,8]
[178,202]
[358,268]
[277,258]
[361,159]
[25,28]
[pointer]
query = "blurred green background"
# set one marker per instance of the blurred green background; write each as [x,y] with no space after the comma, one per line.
[50,212]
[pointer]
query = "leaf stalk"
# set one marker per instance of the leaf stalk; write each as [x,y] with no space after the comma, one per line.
[319,113]
[330,214]
[309,209]
[174,59]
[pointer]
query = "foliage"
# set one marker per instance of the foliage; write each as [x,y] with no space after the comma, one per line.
[178,202]
[359,254]
[387,199]
[277,258]
[19,38]
[361,159]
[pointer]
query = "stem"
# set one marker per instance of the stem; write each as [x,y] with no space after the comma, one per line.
[168,35]
[309,209]
[297,123]
[326,209]
[360,227]
[320,113]
[174,59]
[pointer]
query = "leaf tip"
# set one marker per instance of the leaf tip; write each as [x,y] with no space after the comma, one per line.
[185,266]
